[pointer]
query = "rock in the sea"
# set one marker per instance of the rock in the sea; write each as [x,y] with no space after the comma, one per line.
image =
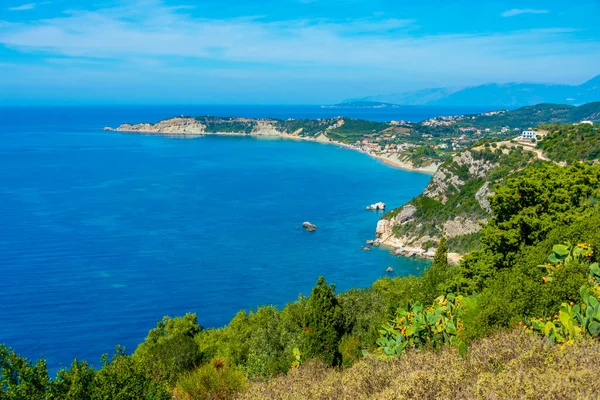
[369,242]
[367,249]
[309,227]
[377,206]
[390,269]
[377,242]
[107,128]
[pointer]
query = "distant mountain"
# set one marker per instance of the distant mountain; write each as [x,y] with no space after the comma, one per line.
[510,95]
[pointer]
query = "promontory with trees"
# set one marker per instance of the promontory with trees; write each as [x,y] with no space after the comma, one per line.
[517,317]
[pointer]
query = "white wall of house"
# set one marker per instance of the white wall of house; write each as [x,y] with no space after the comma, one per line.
[529,135]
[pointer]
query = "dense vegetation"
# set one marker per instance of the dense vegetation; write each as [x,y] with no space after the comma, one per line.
[229,125]
[353,130]
[571,143]
[493,321]
[532,116]
[309,127]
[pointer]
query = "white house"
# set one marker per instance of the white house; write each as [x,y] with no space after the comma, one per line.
[529,135]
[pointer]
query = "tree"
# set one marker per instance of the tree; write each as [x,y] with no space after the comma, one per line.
[434,278]
[74,383]
[440,260]
[170,349]
[122,378]
[324,324]
[21,378]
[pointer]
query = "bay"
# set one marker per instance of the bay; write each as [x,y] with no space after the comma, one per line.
[103,233]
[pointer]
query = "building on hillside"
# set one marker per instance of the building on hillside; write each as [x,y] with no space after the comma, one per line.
[529,135]
[587,122]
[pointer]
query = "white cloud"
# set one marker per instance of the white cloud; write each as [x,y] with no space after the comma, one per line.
[519,11]
[147,41]
[24,7]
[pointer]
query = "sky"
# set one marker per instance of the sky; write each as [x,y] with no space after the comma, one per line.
[284,51]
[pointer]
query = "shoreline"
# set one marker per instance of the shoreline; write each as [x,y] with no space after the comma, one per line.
[390,159]
[321,138]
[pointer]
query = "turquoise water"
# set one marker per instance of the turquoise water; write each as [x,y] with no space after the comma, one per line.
[102,233]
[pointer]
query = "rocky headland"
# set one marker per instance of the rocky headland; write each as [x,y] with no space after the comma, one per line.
[454,204]
[319,130]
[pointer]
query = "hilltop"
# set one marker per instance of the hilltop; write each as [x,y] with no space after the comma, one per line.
[497,95]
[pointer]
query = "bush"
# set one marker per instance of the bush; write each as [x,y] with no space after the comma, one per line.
[74,383]
[215,380]
[122,378]
[170,349]
[21,378]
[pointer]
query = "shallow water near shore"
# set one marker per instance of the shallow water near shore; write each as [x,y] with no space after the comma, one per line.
[103,233]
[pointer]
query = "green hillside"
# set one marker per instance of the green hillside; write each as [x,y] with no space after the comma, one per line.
[571,143]
[532,116]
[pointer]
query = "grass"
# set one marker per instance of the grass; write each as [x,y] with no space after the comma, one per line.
[215,380]
[507,365]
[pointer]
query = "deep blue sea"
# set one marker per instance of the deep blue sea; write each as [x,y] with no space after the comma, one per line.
[103,233]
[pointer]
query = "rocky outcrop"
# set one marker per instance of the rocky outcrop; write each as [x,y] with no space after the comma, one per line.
[451,178]
[180,126]
[309,227]
[377,206]
[482,196]
[412,229]
[460,226]
[383,228]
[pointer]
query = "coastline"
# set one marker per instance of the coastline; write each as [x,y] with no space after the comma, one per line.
[390,158]
[398,249]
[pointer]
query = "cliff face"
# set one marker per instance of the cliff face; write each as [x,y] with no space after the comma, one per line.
[168,126]
[454,203]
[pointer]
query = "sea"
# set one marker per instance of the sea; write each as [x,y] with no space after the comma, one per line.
[104,233]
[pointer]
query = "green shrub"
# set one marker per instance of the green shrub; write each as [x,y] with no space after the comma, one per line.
[122,378]
[170,349]
[214,380]
[21,378]
[74,383]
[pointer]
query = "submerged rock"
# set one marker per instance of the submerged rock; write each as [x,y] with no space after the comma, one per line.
[309,227]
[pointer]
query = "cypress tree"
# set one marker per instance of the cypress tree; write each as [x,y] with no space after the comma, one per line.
[324,324]
[440,260]
[437,274]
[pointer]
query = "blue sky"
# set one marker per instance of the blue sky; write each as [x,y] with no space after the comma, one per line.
[284,51]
